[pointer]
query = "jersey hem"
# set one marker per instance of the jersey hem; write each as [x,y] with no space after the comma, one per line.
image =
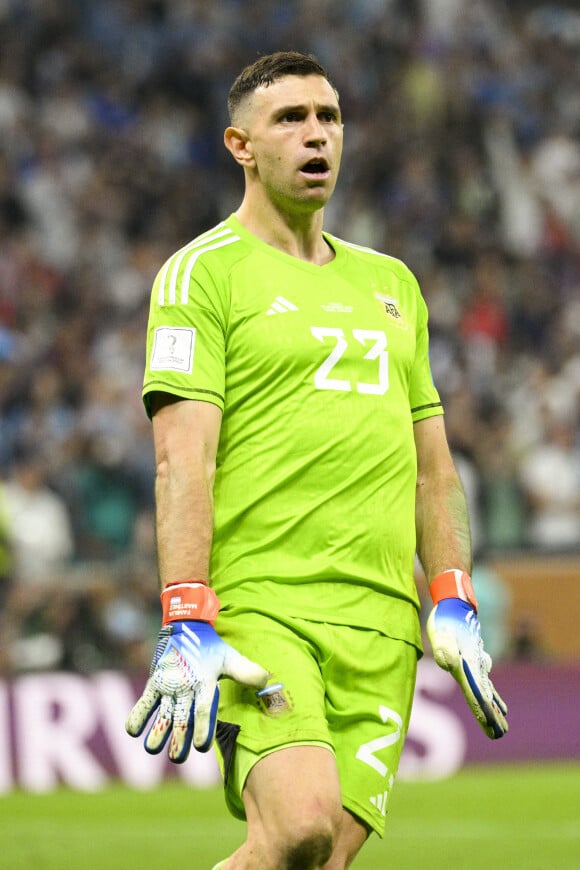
[180,392]
[384,625]
[423,412]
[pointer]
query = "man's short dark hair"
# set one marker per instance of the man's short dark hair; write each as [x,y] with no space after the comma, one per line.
[268,69]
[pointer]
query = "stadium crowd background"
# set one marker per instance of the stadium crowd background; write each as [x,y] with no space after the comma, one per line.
[462,158]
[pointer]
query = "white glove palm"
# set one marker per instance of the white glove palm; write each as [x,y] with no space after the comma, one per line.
[183,688]
[455,635]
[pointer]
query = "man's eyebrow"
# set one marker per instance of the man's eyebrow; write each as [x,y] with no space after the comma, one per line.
[323,108]
[329,109]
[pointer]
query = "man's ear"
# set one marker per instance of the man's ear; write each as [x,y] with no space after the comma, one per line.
[238,144]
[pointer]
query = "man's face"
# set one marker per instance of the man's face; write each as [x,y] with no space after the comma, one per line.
[295,135]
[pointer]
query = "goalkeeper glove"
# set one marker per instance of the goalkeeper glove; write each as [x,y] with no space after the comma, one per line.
[182,689]
[455,635]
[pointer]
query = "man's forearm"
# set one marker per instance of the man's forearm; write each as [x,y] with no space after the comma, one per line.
[184,521]
[442,521]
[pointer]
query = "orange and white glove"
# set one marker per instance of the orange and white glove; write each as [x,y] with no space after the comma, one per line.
[182,690]
[455,635]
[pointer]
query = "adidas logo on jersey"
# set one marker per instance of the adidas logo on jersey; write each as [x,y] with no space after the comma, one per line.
[280,305]
[380,802]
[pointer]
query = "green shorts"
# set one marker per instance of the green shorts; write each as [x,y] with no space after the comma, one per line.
[349,689]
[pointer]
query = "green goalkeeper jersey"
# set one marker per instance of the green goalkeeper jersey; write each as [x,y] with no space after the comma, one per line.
[320,372]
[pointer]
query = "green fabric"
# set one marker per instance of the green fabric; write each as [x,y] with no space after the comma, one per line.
[348,689]
[320,372]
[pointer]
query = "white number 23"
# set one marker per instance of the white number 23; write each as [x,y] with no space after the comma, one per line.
[376,351]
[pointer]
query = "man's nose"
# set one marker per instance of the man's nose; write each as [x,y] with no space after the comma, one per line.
[315,131]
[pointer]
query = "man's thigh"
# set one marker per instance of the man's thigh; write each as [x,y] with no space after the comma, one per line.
[292,786]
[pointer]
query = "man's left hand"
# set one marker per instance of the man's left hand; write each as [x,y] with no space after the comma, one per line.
[455,635]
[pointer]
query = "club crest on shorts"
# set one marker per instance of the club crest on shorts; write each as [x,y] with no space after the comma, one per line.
[275,700]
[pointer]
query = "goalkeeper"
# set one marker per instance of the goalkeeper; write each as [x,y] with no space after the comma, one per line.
[301,463]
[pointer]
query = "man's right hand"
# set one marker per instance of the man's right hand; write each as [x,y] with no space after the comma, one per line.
[182,689]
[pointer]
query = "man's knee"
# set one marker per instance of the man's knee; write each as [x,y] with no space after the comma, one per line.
[294,808]
[309,842]
[303,836]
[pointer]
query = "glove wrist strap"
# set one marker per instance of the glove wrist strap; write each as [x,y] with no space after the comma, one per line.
[189,599]
[453,583]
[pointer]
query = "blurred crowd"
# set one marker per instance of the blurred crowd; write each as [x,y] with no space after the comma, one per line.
[462,157]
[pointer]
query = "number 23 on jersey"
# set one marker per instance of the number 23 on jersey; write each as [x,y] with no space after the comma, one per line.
[372,340]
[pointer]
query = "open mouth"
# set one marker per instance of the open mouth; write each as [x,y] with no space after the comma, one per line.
[316,167]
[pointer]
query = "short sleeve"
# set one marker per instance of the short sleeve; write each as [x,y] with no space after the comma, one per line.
[424,398]
[186,340]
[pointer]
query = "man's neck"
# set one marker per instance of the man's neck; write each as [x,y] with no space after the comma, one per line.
[299,235]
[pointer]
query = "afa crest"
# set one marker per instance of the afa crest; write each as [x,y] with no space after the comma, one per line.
[275,700]
[392,310]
